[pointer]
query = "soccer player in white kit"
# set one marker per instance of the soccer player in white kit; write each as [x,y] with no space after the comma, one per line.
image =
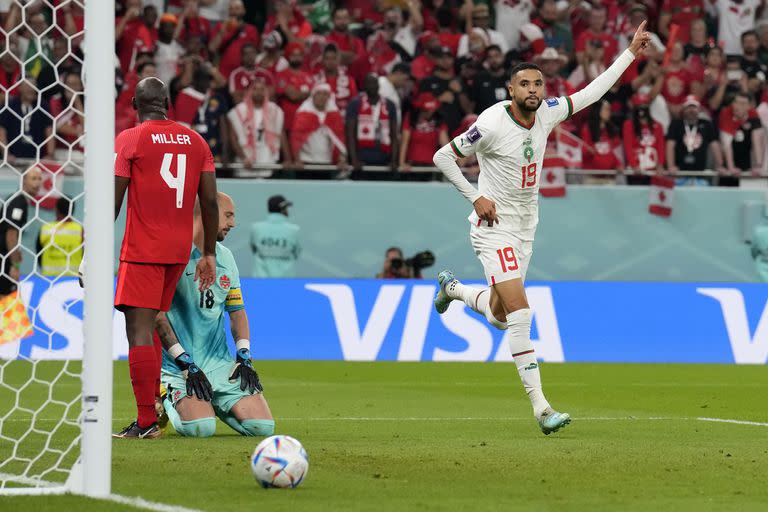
[509,140]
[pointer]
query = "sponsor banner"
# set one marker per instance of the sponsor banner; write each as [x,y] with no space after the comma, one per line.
[373,320]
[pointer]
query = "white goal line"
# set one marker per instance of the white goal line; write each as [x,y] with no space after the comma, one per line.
[479,418]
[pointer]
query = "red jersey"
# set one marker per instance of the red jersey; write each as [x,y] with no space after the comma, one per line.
[599,154]
[232,42]
[645,150]
[300,80]
[241,78]
[425,140]
[677,85]
[342,86]
[728,123]
[609,44]
[136,37]
[163,161]
[683,13]
[347,43]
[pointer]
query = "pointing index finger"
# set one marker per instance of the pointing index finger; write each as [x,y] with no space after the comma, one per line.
[641,28]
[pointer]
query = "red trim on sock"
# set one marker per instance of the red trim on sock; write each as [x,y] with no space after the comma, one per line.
[523,353]
[145,372]
[493,281]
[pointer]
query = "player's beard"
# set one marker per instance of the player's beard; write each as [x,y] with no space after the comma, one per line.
[526,107]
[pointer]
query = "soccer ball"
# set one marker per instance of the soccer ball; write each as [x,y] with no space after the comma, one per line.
[279,461]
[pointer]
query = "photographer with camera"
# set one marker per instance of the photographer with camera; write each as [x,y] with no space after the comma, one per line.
[397,267]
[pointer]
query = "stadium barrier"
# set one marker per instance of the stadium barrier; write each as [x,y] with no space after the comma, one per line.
[375,320]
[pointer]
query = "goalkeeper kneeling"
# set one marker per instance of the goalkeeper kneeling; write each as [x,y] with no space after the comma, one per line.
[201,378]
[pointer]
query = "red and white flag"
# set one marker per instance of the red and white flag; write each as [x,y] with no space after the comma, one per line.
[567,155]
[553,178]
[662,196]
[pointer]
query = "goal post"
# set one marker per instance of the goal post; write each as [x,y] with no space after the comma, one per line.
[96,448]
[56,370]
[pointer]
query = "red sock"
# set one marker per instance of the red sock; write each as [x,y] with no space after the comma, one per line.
[159,356]
[144,374]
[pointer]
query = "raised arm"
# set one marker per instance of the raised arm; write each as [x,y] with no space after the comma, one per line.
[603,83]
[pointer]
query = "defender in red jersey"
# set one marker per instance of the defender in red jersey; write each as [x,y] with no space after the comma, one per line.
[163,166]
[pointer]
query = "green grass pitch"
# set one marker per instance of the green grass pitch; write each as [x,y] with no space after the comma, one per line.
[424,437]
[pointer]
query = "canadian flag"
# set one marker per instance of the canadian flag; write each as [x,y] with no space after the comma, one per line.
[662,196]
[567,155]
[553,178]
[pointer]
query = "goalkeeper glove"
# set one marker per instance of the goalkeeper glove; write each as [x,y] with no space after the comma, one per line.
[197,382]
[243,369]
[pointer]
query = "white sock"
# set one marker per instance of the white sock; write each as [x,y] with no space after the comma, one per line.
[519,327]
[476,298]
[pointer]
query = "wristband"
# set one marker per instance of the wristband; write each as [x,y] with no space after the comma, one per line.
[243,344]
[176,350]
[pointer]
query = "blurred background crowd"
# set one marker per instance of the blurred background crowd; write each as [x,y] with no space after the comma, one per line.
[381,84]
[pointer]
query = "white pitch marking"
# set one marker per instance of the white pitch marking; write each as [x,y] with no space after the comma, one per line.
[736,422]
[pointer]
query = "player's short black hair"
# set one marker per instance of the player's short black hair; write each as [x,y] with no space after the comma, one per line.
[493,47]
[330,48]
[522,67]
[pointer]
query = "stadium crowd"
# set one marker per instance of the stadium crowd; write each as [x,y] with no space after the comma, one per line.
[356,83]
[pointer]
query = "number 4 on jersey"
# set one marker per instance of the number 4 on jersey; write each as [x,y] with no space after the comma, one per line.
[175,182]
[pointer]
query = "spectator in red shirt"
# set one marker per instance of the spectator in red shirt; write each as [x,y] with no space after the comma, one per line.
[294,84]
[271,58]
[336,76]
[423,133]
[241,78]
[644,143]
[10,70]
[132,35]
[125,116]
[446,30]
[714,78]
[289,21]
[602,142]
[596,32]
[423,65]
[381,56]
[230,36]
[191,24]
[350,47]
[681,13]
[679,82]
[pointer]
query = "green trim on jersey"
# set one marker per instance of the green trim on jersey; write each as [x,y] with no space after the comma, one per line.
[570,107]
[456,150]
[508,110]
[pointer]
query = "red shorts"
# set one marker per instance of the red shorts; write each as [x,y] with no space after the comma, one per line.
[147,285]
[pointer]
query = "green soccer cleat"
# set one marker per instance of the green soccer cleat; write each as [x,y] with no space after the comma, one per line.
[552,421]
[442,300]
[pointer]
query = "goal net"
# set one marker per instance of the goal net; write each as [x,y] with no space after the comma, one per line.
[55,385]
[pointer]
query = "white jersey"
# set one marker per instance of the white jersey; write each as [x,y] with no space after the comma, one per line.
[510,155]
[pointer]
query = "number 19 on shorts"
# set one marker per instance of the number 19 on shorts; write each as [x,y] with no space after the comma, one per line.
[507,259]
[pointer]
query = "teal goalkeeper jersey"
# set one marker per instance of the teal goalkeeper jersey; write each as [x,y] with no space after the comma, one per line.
[197,317]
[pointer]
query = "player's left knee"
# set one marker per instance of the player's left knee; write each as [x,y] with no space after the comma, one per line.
[258,427]
[203,427]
